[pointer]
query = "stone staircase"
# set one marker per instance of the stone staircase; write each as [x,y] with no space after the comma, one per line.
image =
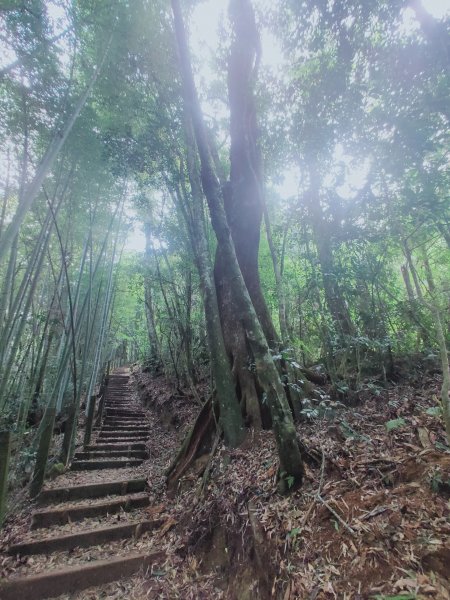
[120,446]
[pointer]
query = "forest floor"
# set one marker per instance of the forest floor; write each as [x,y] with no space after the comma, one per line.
[372,519]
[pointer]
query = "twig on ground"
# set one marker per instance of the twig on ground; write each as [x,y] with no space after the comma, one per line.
[317,496]
[338,517]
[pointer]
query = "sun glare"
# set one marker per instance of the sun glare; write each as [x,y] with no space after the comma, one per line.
[135,240]
[437,8]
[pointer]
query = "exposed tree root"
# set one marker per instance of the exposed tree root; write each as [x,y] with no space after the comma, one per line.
[314,377]
[197,438]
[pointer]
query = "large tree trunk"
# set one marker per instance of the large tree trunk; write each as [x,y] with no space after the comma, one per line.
[244,202]
[244,209]
[291,466]
[230,414]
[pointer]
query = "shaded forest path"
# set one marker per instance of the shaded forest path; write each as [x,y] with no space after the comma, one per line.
[100,501]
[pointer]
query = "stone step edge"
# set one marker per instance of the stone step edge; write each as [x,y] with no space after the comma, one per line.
[125,428]
[92,490]
[122,440]
[122,412]
[94,464]
[60,516]
[83,539]
[74,579]
[130,432]
[121,446]
[107,454]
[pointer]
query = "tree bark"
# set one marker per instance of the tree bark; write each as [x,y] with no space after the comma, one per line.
[230,413]
[281,296]
[244,208]
[45,440]
[5,451]
[334,298]
[155,356]
[291,466]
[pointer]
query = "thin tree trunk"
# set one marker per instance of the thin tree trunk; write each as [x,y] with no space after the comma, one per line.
[412,269]
[407,282]
[5,193]
[45,440]
[281,296]
[100,341]
[155,356]
[334,297]
[5,451]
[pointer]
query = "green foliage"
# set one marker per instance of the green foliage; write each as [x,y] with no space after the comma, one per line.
[395,424]
[322,408]
[350,433]
[358,114]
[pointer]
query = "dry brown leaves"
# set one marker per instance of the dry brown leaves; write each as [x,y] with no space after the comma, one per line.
[381,529]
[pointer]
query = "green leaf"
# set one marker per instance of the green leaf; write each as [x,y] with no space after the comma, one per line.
[443,447]
[395,424]
[434,411]
[159,573]
[294,532]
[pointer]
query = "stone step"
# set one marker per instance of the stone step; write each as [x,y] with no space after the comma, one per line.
[93,465]
[122,446]
[112,419]
[92,490]
[124,440]
[124,423]
[88,455]
[125,413]
[118,404]
[123,434]
[82,539]
[125,428]
[74,579]
[124,416]
[61,516]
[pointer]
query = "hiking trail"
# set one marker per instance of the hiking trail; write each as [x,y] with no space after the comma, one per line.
[99,508]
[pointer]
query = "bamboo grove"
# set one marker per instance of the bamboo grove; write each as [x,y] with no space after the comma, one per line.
[240,285]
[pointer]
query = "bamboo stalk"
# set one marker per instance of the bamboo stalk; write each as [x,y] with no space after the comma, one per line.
[42,453]
[5,452]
